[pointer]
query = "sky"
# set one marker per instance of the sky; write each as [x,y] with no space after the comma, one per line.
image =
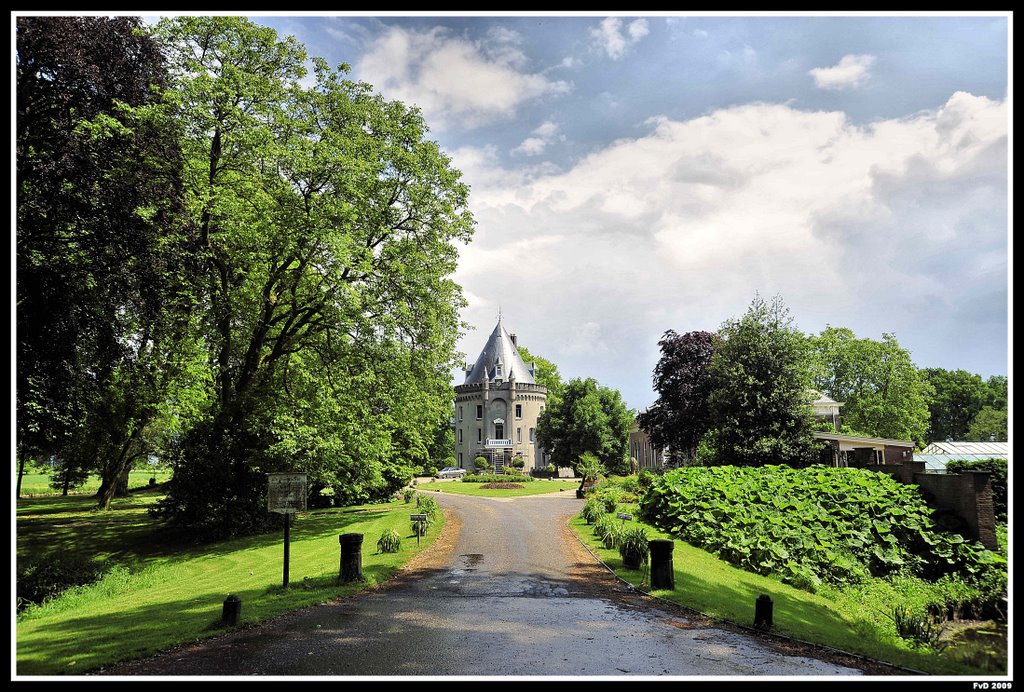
[635,174]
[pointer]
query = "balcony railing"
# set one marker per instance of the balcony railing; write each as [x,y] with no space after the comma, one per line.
[498,443]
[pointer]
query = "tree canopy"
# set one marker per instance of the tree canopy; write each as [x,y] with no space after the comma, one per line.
[232,246]
[105,268]
[326,223]
[681,415]
[958,396]
[587,418]
[881,389]
[546,374]
[758,401]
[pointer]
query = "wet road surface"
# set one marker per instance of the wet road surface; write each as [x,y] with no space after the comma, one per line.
[506,591]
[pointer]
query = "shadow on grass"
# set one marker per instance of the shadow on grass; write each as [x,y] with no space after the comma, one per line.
[127,533]
[67,644]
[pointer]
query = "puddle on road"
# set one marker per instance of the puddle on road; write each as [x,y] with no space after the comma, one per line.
[470,561]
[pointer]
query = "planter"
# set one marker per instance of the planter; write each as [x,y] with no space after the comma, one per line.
[632,559]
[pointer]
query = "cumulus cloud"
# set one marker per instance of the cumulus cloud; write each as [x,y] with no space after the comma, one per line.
[895,226]
[614,37]
[538,140]
[456,81]
[851,72]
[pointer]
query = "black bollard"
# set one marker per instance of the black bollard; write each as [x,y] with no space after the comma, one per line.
[663,576]
[763,612]
[351,556]
[232,611]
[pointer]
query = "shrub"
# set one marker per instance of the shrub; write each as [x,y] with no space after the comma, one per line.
[408,494]
[496,478]
[631,484]
[837,524]
[609,530]
[644,480]
[432,471]
[389,542]
[634,541]
[550,468]
[996,467]
[519,463]
[427,505]
[593,508]
[482,464]
[918,627]
[48,576]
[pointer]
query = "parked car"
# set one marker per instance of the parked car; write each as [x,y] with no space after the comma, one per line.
[451,472]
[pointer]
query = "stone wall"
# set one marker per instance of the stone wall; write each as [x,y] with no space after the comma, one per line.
[968,495]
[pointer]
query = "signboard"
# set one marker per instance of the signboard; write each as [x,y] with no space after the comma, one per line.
[286,492]
[624,516]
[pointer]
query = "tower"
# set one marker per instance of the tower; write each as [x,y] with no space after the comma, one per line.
[497,407]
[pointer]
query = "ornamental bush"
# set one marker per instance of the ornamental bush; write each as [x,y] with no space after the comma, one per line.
[810,525]
[389,542]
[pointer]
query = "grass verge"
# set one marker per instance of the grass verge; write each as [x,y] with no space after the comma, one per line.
[173,596]
[831,617]
[539,487]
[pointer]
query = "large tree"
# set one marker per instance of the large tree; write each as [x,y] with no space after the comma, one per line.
[587,418]
[546,374]
[104,269]
[327,225]
[759,397]
[990,425]
[681,417]
[882,390]
[957,397]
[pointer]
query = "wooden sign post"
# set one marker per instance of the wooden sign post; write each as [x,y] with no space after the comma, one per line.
[420,523]
[286,494]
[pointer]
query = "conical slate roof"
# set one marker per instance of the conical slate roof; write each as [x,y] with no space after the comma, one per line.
[499,351]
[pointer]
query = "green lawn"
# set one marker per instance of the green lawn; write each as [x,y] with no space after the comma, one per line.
[173,593]
[713,587]
[33,484]
[538,487]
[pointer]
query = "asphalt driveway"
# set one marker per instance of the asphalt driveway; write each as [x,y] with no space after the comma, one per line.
[507,591]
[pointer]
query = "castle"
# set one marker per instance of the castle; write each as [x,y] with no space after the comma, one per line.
[497,407]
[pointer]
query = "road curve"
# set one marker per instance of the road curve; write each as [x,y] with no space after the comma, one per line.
[507,591]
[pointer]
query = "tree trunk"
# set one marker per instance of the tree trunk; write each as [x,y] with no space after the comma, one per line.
[21,472]
[122,482]
[67,482]
[116,474]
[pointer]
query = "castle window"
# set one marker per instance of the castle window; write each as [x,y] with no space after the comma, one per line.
[479,434]
[460,436]
[519,434]
[460,413]
[519,410]
[479,412]
[533,434]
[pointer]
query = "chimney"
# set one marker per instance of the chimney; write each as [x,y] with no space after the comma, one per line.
[514,341]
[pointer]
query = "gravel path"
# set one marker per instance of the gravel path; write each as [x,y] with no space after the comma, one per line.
[506,591]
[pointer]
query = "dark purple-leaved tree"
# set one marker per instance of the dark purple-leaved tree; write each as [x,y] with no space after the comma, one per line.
[100,269]
[679,418]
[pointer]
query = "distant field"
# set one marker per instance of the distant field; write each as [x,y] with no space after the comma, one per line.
[34,484]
